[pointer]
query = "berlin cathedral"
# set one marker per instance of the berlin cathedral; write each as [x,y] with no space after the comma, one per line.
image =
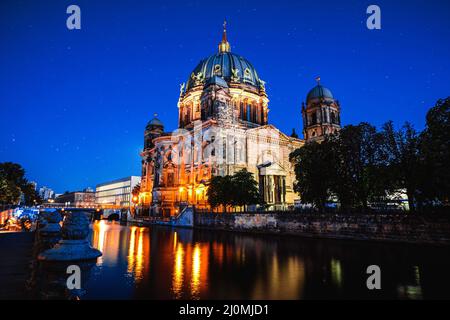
[223,127]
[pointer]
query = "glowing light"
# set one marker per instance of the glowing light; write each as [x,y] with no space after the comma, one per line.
[100,228]
[131,249]
[175,240]
[196,265]
[178,274]
[140,254]
[336,272]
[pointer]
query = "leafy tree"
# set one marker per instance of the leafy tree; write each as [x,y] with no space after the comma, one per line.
[312,165]
[245,189]
[13,183]
[31,196]
[220,191]
[358,162]
[9,192]
[240,189]
[403,155]
[13,180]
[13,172]
[435,148]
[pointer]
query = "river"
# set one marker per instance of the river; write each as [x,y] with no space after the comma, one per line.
[166,263]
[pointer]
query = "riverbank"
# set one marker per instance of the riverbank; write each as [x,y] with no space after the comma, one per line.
[406,228]
[16,255]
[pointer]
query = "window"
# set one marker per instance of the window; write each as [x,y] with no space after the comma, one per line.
[249,112]
[217,69]
[170,179]
[333,117]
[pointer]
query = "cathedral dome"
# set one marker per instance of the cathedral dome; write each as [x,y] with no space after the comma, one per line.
[319,91]
[229,66]
[155,122]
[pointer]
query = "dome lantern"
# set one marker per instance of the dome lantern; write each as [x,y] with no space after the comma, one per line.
[224,45]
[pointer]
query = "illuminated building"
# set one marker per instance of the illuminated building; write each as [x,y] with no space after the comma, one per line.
[77,199]
[116,193]
[223,127]
[46,193]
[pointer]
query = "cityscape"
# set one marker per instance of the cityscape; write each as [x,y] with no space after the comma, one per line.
[192,159]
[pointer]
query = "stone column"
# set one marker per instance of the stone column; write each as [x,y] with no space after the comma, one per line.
[74,245]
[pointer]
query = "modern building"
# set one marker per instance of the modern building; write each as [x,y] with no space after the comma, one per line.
[77,199]
[46,193]
[116,193]
[223,127]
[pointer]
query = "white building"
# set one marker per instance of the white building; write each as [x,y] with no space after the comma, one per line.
[46,193]
[116,193]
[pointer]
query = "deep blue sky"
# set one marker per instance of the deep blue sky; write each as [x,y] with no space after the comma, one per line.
[74,104]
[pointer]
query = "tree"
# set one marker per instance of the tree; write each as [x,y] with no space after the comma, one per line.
[435,149]
[13,182]
[312,164]
[403,155]
[240,189]
[358,162]
[245,189]
[220,191]
[32,198]
[9,192]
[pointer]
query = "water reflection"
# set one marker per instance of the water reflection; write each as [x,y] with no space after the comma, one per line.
[165,263]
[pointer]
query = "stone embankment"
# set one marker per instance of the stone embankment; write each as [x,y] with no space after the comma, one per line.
[398,227]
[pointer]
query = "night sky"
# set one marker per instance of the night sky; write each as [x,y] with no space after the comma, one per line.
[74,104]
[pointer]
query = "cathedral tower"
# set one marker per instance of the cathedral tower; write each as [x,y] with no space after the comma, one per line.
[321,114]
[153,129]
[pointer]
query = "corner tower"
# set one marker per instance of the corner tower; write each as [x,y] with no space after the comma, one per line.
[153,130]
[321,114]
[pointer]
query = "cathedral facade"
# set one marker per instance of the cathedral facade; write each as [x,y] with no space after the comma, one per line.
[223,127]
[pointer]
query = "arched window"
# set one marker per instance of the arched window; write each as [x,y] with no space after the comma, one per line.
[249,112]
[170,179]
[257,114]
[333,117]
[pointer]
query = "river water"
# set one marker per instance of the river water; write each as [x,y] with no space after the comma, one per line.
[166,263]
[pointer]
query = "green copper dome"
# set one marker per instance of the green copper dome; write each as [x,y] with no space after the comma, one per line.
[155,122]
[226,65]
[230,67]
[319,91]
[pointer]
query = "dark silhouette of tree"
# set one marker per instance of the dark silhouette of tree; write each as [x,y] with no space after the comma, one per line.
[245,189]
[240,189]
[358,162]
[403,155]
[313,173]
[13,184]
[220,191]
[435,149]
